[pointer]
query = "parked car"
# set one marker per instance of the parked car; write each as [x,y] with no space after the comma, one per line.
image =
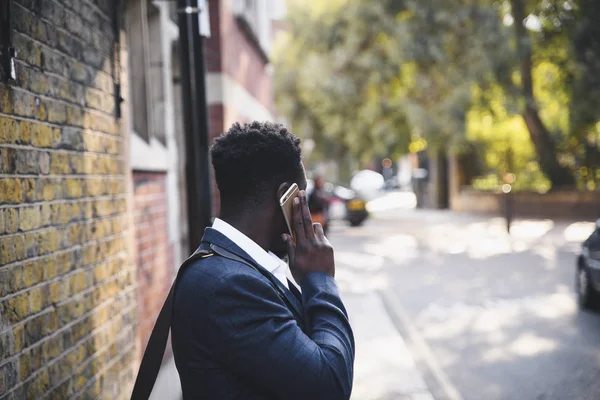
[368,184]
[345,204]
[588,271]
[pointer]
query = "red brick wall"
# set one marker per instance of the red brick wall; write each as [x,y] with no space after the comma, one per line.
[229,50]
[241,59]
[154,254]
[213,43]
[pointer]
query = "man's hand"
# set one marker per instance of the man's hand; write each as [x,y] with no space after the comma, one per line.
[311,252]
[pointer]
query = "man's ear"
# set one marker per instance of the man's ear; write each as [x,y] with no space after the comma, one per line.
[282,189]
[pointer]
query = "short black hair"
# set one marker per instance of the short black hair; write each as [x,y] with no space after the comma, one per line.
[252,159]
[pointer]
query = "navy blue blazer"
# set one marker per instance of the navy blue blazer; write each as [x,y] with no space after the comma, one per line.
[235,337]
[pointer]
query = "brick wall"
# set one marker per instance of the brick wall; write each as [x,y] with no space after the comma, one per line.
[557,204]
[67,283]
[154,258]
[242,60]
[213,43]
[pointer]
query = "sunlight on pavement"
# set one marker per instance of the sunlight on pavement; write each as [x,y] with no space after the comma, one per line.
[492,322]
[391,201]
[530,229]
[384,368]
[579,231]
[360,260]
[399,248]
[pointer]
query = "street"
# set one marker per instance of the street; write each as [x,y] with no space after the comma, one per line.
[484,315]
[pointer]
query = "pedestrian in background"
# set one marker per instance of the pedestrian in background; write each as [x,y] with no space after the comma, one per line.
[318,203]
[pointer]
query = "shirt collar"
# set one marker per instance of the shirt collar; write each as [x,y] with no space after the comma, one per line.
[267,260]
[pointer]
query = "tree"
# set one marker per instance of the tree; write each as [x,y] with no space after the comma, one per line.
[544,144]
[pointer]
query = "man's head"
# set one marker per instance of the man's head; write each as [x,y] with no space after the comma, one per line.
[319,182]
[254,165]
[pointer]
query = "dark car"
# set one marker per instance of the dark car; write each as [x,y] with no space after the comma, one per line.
[355,207]
[588,271]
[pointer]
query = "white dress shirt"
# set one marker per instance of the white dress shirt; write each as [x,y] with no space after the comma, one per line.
[267,260]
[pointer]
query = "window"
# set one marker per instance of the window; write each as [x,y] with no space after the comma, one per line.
[255,17]
[145,70]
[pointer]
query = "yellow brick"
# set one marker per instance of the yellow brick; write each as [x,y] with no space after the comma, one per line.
[31,247]
[24,366]
[19,306]
[30,218]
[48,191]
[59,163]
[77,163]
[76,234]
[81,354]
[11,191]
[46,214]
[42,136]
[80,382]
[33,273]
[19,247]
[52,348]
[29,189]
[43,382]
[94,187]
[47,242]
[7,252]
[55,292]
[9,130]
[100,273]
[73,188]
[11,220]
[56,135]
[75,211]
[5,101]
[51,320]
[50,270]
[35,300]
[63,263]
[61,213]
[2,225]
[25,131]
[89,164]
[78,282]
[42,112]
[19,337]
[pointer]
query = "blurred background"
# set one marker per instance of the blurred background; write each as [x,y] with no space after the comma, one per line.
[454,146]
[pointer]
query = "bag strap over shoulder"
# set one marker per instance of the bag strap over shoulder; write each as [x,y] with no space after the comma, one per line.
[155,350]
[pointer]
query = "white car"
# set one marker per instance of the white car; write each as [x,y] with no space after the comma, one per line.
[368,183]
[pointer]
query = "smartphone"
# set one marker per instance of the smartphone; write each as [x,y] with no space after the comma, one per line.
[287,205]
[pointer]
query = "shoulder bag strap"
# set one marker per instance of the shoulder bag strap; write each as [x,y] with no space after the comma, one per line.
[155,350]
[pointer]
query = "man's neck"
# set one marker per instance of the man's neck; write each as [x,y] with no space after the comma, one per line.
[255,226]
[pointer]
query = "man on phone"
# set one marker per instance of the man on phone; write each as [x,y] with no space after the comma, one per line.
[241,329]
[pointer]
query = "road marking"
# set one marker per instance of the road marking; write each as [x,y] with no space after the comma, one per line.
[419,344]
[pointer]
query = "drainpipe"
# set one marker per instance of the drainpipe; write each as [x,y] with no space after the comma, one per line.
[7,51]
[195,120]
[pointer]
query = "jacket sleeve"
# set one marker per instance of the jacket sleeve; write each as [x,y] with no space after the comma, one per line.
[256,337]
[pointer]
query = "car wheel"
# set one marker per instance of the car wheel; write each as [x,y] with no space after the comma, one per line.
[356,222]
[587,296]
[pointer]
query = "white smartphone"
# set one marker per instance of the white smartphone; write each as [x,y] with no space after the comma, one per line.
[287,205]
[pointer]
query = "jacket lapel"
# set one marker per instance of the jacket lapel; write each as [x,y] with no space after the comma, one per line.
[213,236]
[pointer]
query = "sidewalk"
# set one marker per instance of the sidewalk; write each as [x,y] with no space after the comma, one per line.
[384,368]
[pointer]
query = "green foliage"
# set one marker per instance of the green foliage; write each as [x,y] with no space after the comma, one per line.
[373,78]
